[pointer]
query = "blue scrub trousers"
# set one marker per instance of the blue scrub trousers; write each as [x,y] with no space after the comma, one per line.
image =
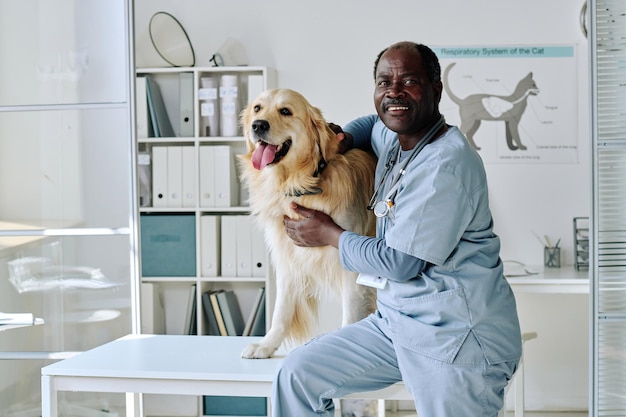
[360,357]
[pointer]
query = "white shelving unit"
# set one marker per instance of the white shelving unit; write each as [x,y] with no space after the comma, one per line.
[183,101]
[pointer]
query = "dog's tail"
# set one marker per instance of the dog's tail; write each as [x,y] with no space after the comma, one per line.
[452,96]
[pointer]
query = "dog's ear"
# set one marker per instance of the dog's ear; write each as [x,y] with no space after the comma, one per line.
[326,138]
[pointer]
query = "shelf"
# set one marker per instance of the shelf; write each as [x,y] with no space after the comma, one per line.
[191,210]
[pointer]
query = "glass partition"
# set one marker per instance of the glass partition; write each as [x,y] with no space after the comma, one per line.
[67,243]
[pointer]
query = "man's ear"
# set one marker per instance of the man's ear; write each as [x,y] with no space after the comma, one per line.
[438,88]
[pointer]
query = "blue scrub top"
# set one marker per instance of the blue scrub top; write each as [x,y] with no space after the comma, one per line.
[441,215]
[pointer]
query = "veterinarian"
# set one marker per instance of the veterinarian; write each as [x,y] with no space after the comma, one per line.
[446,322]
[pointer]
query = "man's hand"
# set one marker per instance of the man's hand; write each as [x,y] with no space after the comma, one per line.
[346,141]
[314,229]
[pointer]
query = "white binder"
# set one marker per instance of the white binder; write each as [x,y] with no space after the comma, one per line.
[210,245]
[159,176]
[174,176]
[189,188]
[259,250]
[228,239]
[186,122]
[141,103]
[226,184]
[144,177]
[244,246]
[152,311]
[255,86]
[207,176]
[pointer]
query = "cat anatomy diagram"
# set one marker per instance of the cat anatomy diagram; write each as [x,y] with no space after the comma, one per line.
[514,104]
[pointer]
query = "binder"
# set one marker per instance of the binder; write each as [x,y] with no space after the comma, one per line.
[231,313]
[207,176]
[141,104]
[259,251]
[258,325]
[152,311]
[211,322]
[174,176]
[218,313]
[159,176]
[144,175]
[229,246]
[258,300]
[189,180]
[191,319]
[210,245]
[244,246]
[208,95]
[229,105]
[255,86]
[161,124]
[225,177]
[186,122]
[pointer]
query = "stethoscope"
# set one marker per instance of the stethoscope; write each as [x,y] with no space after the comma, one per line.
[383,207]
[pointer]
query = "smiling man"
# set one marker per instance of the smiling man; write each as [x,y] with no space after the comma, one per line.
[446,321]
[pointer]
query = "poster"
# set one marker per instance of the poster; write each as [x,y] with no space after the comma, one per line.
[516,104]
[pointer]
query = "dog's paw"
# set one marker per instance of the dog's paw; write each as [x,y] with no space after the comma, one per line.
[257,351]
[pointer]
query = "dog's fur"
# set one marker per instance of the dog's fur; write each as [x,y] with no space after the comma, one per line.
[307,169]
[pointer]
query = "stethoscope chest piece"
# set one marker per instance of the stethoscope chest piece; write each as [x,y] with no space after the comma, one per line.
[381,209]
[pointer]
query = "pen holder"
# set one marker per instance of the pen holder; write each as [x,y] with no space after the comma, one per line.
[552,257]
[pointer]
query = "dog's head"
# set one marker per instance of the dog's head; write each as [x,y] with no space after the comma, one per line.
[283,129]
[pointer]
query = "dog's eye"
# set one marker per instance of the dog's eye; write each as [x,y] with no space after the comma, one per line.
[285,111]
[256,108]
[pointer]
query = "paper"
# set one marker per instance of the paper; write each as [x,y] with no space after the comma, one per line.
[17,318]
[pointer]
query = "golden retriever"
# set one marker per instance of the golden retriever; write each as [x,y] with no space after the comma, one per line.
[292,156]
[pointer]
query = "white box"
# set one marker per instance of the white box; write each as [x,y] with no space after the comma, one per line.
[208,95]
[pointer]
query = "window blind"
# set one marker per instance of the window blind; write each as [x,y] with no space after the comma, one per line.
[608,237]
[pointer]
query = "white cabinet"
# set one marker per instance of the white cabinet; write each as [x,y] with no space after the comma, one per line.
[195,231]
[194,224]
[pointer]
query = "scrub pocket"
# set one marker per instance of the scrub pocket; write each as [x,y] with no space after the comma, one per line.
[435,325]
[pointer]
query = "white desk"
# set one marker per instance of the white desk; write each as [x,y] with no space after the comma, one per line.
[565,280]
[168,364]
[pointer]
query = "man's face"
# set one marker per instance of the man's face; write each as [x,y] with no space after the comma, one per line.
[405,99]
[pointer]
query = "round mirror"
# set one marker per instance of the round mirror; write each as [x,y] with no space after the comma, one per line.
[171,41]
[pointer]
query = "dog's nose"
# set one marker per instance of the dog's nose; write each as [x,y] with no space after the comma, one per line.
[260,126]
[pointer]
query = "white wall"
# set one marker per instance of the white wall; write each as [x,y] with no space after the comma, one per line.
[326,49]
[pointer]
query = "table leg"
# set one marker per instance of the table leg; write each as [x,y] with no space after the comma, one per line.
[49,403]
[134,405]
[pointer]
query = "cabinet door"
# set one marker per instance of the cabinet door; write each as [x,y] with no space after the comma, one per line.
[66,214]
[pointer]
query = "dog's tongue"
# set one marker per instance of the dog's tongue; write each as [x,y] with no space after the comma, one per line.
[263,155]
